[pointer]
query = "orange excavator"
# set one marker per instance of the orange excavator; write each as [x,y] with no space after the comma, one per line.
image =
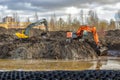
[82,32]
[84,29]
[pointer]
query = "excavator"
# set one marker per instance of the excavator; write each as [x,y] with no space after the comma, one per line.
[25,33]
[82,32]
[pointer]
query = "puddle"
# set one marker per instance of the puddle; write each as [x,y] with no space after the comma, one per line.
[47,65]
[115,53]
[44,65]
[104,62]
[107,63]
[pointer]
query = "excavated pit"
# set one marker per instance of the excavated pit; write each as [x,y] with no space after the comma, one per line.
[50,45]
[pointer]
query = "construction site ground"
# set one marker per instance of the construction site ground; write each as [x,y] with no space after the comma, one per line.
[51,56]
[54,45]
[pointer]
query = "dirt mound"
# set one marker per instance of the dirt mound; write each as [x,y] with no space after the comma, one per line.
[48,49]
[2,29]
[115,33]
[50,45]
[113,39]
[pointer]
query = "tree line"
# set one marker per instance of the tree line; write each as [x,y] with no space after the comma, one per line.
[92,19]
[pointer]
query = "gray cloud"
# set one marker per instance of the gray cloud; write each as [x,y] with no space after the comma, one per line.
[48,7]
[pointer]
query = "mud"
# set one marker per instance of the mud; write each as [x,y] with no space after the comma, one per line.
[50,45]
[113,39]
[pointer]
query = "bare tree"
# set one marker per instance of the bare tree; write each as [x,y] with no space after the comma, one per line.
[14,16]
[36,16]
[16,19]
[53,21]
[0,19]
[103,25]
[28,19]
[112,24]
[60,23]
[117,18]
[93,18]
[81,16]
[75,24]
[69,20]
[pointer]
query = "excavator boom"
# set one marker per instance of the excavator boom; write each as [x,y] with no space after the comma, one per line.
[25,33]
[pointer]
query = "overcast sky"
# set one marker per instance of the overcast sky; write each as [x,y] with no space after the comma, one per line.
[45,8]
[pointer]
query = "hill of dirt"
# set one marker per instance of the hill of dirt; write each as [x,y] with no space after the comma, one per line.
[113,39]
[51,45]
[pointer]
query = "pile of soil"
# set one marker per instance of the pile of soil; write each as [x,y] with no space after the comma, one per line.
[50,45]
[113,39]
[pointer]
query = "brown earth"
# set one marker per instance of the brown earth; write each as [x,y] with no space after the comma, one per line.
[113,39]
[52,45]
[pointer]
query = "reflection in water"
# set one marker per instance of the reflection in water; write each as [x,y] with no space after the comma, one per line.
[44,65]
[101,63]
[98,65]
[109,63]
[115,53]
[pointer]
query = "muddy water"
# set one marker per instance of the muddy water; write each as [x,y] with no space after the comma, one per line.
[44,65]
[101,63]
[114,53]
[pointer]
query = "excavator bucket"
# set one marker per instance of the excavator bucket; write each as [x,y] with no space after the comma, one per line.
[102,51]
[21,35]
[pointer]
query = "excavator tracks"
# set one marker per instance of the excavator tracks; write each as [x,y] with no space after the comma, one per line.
[61,75]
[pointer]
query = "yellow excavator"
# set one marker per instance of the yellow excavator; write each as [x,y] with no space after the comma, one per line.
[25,33]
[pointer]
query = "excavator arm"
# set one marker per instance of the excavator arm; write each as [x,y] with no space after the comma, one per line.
[95,35]
[42,21]
[25,33]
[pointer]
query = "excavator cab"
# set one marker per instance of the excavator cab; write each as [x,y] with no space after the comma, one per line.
[71,35]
